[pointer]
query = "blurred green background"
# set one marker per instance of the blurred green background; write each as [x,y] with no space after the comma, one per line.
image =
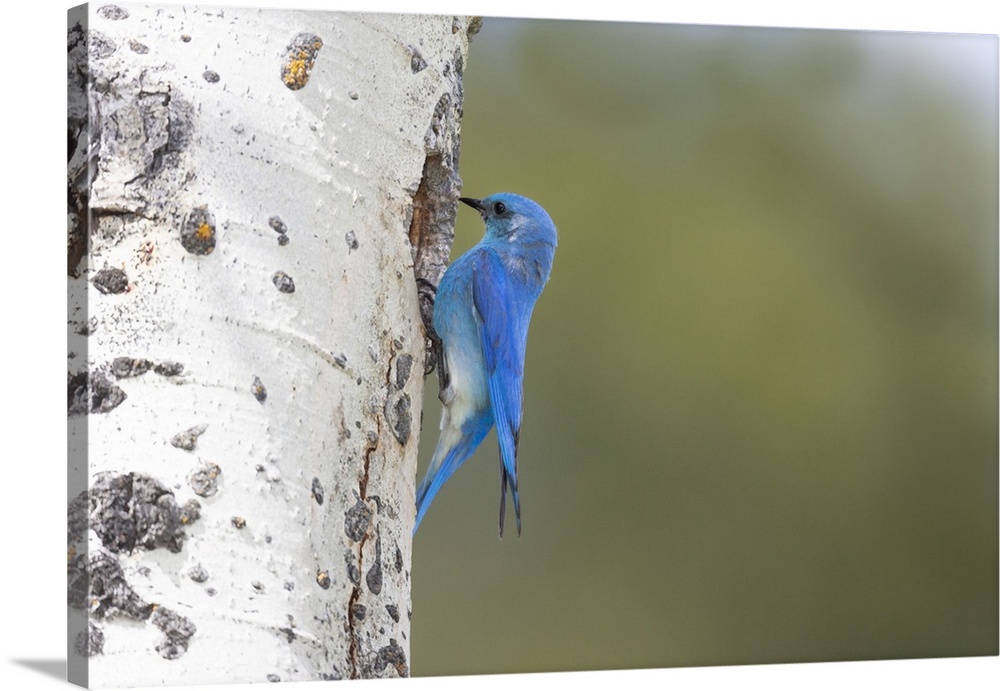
[761,397]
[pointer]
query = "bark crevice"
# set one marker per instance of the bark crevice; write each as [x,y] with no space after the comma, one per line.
[354,602]
[435,202]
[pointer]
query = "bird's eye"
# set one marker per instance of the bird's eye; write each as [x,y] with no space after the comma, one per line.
[499,208]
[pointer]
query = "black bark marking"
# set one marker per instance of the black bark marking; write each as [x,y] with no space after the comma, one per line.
[77,522]
[397,404]
[125,367]
[169,369]
[317,491]
[400,418]
[87,327]
[353,572]
[188,439]
[258,390]
[277,224]
[205,481]
[177,631]
[100,45]
[289,630]
[393,611]
[109,594]
[92,393]
[89,642]
[112,12]
[374,576]
[417,62]
[77,580]
[198,574]
[99,586]
[283,282]
[110,280]
[392,654]
[198,231]
[78,129]
[135,511]
[357,520]
[404,363]
[280,228]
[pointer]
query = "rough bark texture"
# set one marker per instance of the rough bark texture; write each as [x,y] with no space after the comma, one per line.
[252,194]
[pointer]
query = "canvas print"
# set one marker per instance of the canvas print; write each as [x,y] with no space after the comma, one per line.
[713,308]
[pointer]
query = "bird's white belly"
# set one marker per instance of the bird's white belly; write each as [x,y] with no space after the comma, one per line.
[468,392]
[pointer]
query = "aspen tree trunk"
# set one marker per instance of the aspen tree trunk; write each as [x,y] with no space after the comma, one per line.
[252,194]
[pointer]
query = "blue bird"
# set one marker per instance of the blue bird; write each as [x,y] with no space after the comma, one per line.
[481,313]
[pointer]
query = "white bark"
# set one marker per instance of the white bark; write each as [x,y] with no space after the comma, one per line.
[294,564]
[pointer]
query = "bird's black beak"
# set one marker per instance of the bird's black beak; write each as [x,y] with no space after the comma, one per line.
[476,204]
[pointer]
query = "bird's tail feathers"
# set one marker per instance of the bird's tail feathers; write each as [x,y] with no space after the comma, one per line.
[508,470]
[505,482]
[454,448]
[438,473]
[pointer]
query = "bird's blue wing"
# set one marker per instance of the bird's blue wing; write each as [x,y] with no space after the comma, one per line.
[503,309]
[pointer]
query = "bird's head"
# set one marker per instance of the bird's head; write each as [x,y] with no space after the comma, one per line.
[512,217]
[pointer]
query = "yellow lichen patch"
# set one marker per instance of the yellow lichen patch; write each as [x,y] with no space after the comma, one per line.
[299,60]
[296,73]
[204,231]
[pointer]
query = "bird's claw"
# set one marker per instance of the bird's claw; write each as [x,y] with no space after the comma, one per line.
[426,292]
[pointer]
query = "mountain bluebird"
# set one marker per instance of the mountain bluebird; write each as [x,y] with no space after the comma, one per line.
[481,314]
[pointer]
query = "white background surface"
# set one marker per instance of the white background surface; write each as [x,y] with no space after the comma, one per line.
[32,436]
